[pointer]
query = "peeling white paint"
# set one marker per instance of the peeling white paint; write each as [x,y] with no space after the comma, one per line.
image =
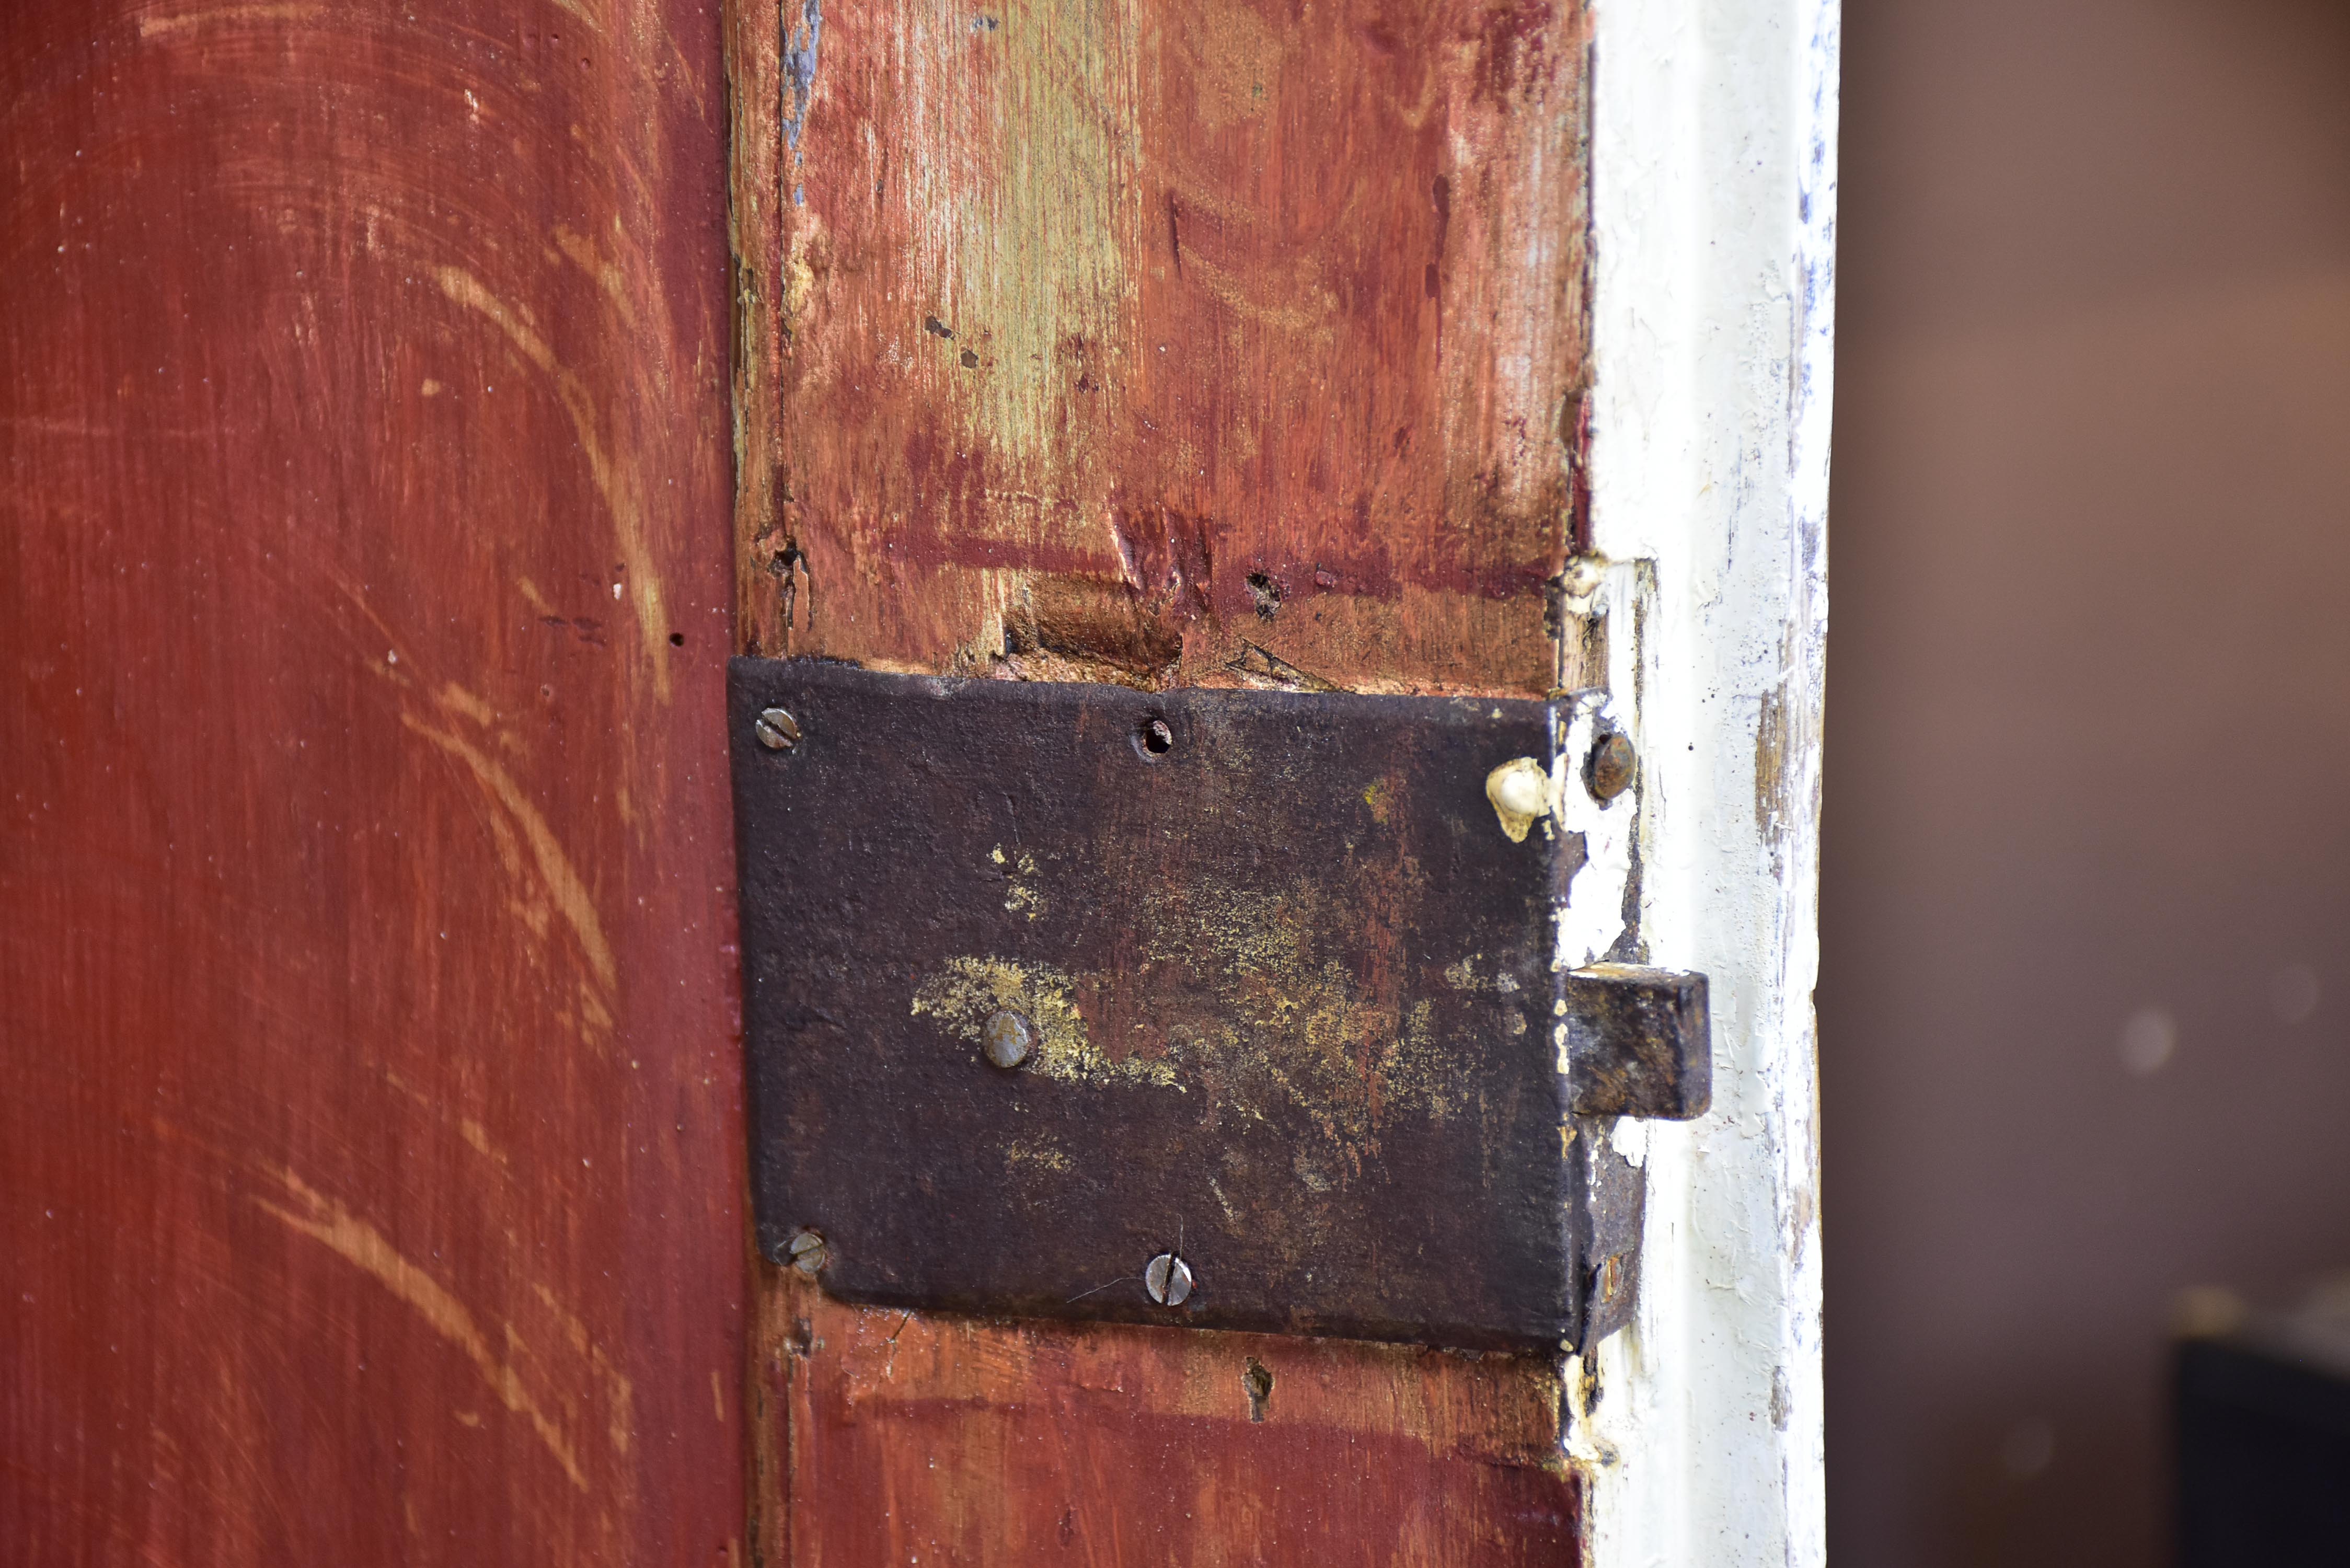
[1713,225]
[1594,918]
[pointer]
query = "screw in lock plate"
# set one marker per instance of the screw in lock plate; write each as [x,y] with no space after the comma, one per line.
[808,1254]
[1168,1277]
[1007,1037]
[776,729]
[1612,763]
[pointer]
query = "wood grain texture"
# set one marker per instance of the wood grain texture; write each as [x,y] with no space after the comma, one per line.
[1200,341]
[1161,342]
[371,1172]
[900,1437]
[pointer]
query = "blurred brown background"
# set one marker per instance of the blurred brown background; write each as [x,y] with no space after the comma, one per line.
[2085,1011]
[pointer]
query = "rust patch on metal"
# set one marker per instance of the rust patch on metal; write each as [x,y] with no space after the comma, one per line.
[1611,767]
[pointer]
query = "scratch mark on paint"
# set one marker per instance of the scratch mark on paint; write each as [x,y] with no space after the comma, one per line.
[580,11]
[324,1219]
[478,1137]
[458,700]
[163,26]
[581,252]
[621,1393]
[554,868]
[616,481]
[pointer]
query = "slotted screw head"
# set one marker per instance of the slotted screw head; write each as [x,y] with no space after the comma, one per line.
[808,1254]
[1612,763]
[777,730]
[1168,1277]
[1007,1037]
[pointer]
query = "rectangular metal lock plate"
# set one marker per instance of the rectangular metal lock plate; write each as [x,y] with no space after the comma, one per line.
[1047,984]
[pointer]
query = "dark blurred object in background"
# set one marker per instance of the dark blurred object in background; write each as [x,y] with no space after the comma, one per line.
[2086,1002]
[2263,1419]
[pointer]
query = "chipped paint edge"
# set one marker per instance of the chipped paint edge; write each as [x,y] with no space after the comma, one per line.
[1713,158]
[1594,918]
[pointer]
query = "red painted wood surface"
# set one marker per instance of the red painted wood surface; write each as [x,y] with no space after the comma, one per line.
[369,1133]
[901,1438]
[1197,340]
[1157,341]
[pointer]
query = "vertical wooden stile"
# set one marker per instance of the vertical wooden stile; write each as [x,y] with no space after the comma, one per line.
[1188,343]
[371,1173]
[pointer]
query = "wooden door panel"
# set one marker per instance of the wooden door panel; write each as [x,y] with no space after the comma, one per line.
[1199,340]
[1158,342]
[371,1163]
[371,1140]
[895,1437]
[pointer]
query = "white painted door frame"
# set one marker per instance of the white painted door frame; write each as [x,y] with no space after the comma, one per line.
[1713,191]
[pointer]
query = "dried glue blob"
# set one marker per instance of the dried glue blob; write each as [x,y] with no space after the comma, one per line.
[1519,791]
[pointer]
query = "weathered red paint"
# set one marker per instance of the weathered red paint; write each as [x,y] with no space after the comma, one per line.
[370,1136]
[1190,341]
[903,1438]
[1156,339]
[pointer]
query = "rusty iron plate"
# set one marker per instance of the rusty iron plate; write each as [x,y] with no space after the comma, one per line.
[1280,984]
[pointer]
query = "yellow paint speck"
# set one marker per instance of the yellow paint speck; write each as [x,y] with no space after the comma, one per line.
[962,994]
